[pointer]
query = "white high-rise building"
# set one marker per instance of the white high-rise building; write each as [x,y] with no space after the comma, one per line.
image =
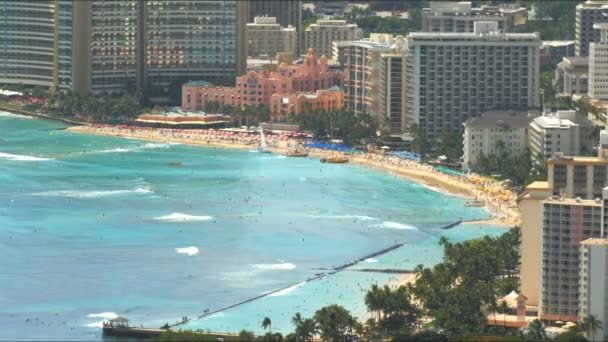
[594,284]
[598,64]
[555,133]
[452,77]
[321,35]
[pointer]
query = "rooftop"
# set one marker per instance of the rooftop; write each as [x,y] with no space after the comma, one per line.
[502,118]
[447,36]
[551,122]
[595,241]
[573,202]
[557,43]
[538,185]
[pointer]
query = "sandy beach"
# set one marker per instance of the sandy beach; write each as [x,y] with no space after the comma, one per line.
[505,212]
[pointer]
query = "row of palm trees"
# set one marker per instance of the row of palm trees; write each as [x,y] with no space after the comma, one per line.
[330,323]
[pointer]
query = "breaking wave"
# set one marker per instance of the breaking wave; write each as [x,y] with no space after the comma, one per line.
[287,291]
[19,157]
[187,250]
[129,149]
[268,267]
[104,315]
[179,217]
[92,193]
[393,225]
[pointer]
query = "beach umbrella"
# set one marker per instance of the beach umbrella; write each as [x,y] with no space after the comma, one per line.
[385,148]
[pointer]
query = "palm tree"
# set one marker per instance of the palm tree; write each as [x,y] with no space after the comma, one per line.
[536,330]
[503,308]
[267,323]
[296,319]
[591,324]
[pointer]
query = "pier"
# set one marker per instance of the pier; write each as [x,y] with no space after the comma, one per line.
[451,225]
[383,270]
[316,277]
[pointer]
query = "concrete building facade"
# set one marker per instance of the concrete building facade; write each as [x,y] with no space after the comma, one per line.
[594,285]
[282,106]
[361,60]
[598,64]
[572,76]
[393,88]
[587,14]
[495,133]
[256,87]
[555,133]
[556,215]
[321,35]
[266,37]
[111,46]
[27,37]
[452,77]
[287,12]
[451,16]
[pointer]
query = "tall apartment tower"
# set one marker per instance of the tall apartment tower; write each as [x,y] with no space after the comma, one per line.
[361,60]
[375,82]
[321,35]
[594,287]
[287,12]
[266,36]
[598,64]
[185,39]
[452,16]
[27,42]
[556,216]
[107,46]
[452,77]
[587,14]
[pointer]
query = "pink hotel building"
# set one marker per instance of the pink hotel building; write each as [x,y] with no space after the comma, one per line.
[257,87]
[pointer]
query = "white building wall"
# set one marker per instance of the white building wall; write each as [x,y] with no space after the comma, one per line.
[594,272]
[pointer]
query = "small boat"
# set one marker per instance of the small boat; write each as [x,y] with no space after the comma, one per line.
[175,164]
[297,153]
[475,203]
[334,160]
[262,145]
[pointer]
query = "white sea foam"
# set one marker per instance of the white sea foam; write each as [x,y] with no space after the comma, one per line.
[393,225]
[104,315]
[215,315]
[15,115]
[302,179]
[98,324]
[92,193]
[19,157]
[179,217]
[443,192]
[148,146]
[187,250]
[280,266]
[370,260]
[348,217]
[287,291]
[107,315]
[281,157]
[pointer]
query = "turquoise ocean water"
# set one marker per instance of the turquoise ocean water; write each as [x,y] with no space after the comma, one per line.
[92,227]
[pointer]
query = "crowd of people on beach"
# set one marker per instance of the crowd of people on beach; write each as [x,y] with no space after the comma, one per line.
[489,190]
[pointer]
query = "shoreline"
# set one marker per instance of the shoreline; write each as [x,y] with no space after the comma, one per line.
[504,214]
[42,116]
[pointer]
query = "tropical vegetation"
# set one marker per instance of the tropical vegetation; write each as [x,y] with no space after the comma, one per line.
[450,300]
